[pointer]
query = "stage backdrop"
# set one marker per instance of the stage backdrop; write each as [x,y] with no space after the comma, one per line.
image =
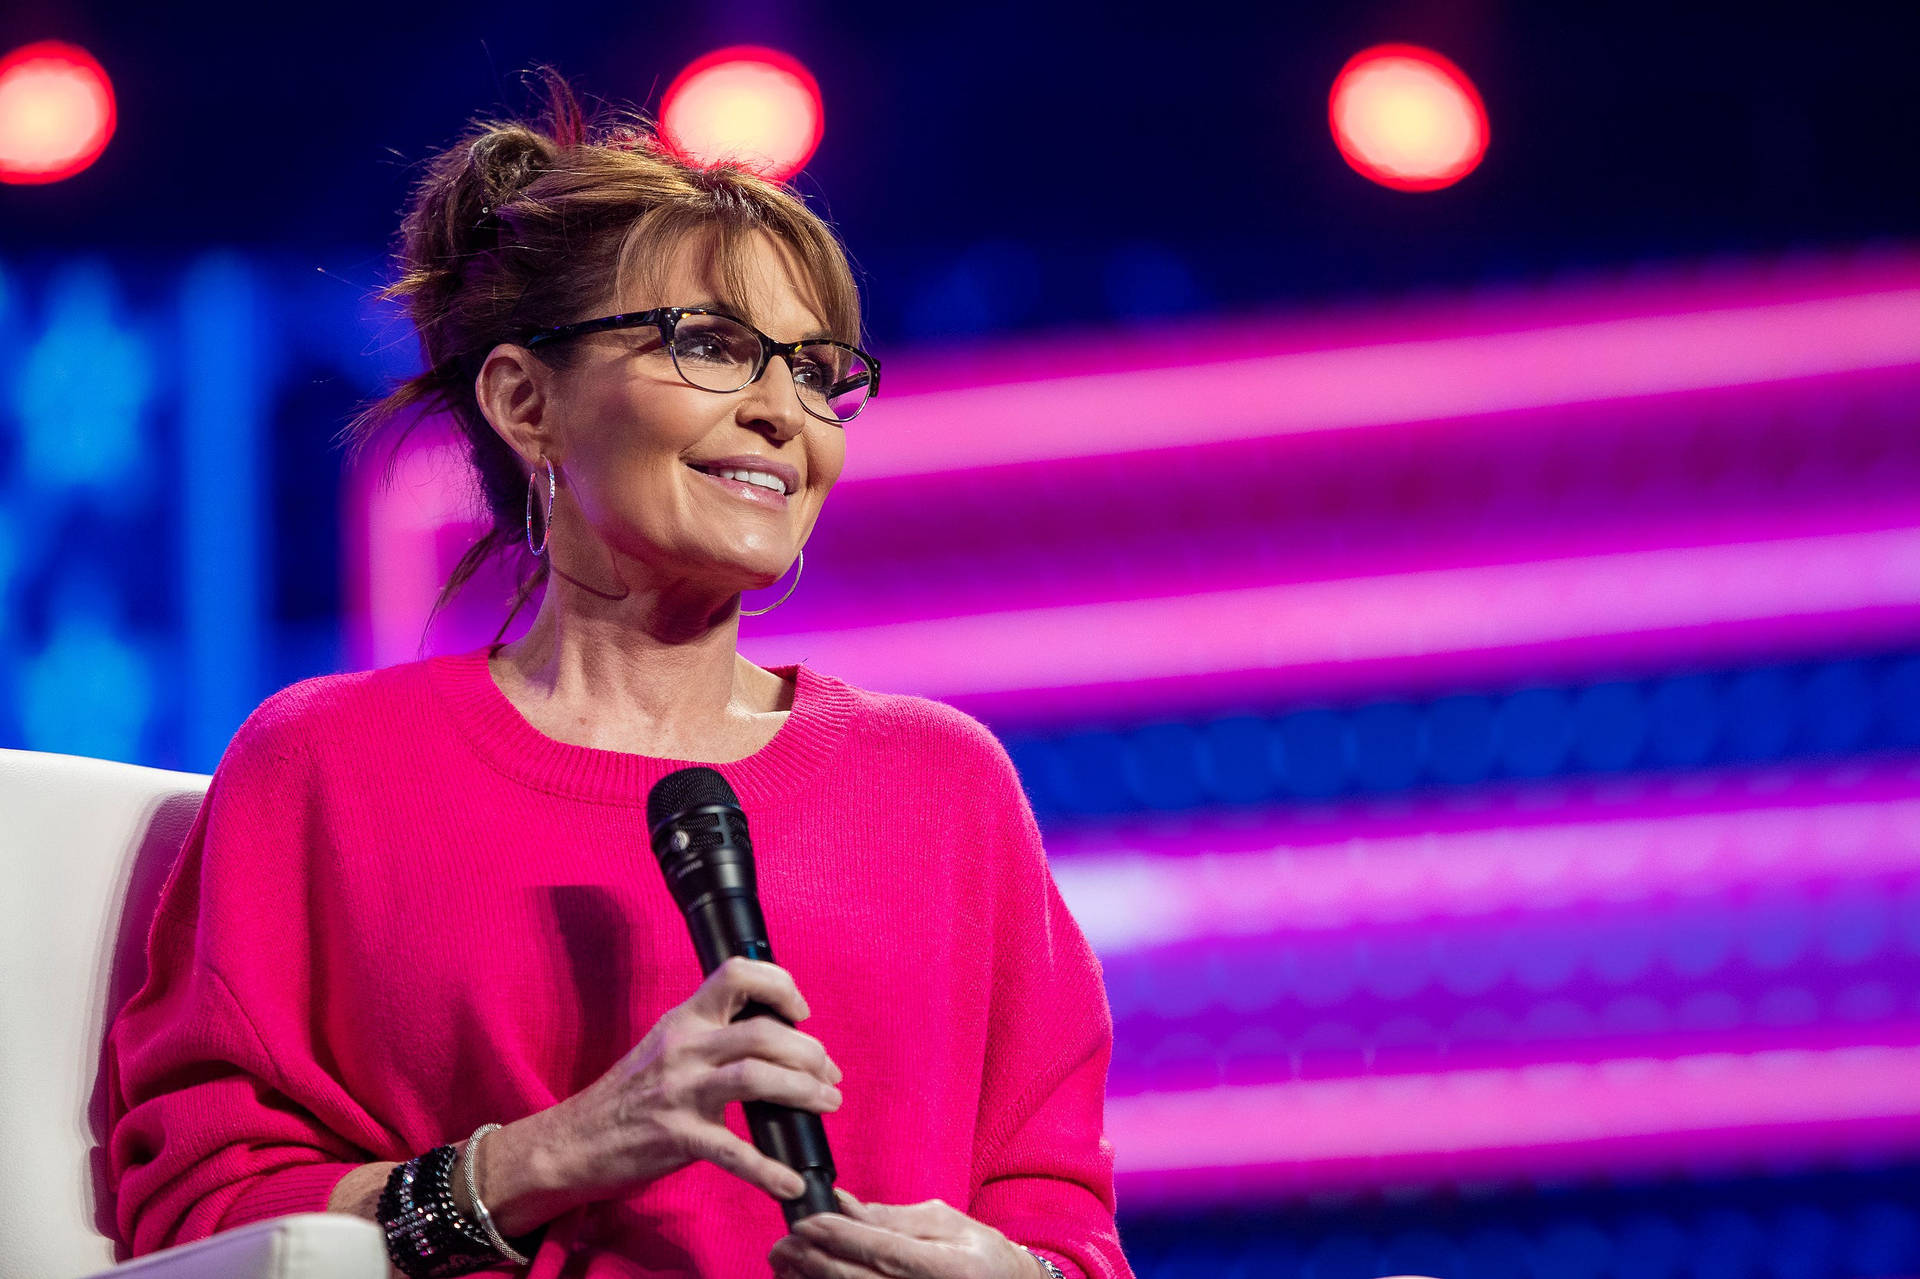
[1480,737]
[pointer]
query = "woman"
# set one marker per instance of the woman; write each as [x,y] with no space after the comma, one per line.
[419,902]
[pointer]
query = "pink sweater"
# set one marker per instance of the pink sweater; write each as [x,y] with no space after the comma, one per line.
[403,912]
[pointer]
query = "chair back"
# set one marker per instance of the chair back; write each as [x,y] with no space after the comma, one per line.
[85,846]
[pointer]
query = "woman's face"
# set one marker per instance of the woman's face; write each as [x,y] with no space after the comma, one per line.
[627,431]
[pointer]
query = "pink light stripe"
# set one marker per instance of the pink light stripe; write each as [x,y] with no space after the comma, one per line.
[1391,616]
[1139,409]
[431,491]
[1158,892]
[1493,1122]
[1505,307]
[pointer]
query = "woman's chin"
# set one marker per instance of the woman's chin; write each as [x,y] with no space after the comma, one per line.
[725,574]
[768,584]
[746,582]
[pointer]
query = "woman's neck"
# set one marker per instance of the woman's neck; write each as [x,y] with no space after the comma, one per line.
[605,682]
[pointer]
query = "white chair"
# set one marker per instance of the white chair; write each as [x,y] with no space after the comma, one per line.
[85,845]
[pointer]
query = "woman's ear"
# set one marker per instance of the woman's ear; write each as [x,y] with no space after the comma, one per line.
[513,392]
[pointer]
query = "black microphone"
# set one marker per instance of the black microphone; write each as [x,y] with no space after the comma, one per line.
[700,837]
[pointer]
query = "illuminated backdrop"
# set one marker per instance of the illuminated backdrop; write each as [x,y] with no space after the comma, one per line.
[1475,724]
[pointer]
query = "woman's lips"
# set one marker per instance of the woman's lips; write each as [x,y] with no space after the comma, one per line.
[740,488]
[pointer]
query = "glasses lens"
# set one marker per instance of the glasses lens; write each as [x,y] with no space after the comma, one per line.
[714,352]
[832,380]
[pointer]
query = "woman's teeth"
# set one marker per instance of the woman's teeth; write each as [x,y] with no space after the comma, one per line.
[759,478]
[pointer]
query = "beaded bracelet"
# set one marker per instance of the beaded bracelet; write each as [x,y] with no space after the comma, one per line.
[428,1236]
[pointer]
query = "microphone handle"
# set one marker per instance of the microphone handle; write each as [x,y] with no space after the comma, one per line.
[728,924]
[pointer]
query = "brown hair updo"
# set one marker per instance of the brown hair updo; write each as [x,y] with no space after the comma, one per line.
[522,225]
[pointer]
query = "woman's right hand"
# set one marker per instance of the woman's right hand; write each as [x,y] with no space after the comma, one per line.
[663,1105]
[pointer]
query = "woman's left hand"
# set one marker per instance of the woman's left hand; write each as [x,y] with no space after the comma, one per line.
[899,1241]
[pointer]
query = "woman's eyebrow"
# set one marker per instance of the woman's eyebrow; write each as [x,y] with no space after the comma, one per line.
[740,312]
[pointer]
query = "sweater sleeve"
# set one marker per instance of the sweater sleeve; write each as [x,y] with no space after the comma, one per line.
[209,1124]
[1043,1166]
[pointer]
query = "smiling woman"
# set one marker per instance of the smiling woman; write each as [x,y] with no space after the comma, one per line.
[408,920]
[519,231]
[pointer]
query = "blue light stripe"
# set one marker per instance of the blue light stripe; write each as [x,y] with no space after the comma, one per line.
[222,422]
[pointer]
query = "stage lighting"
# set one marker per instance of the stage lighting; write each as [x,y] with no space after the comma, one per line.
[1407,118]
[56,112]
[746,103]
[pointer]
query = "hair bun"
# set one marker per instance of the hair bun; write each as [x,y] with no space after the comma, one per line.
[456,208]
[456,212]
[501,163]
[506,159]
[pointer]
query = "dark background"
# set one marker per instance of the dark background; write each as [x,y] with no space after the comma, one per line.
[1012,166]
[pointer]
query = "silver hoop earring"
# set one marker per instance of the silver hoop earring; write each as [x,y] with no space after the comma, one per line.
[755,612]
[546,528]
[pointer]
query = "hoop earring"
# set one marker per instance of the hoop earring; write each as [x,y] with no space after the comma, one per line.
[755,612]
[546,528]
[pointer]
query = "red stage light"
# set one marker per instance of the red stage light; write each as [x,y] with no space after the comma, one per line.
[746,103]
[56,112]
[1407,117]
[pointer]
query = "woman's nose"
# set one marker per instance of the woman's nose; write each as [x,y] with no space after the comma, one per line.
[775,392]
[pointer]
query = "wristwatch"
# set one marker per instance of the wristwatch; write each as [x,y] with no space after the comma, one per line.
[1054,1271]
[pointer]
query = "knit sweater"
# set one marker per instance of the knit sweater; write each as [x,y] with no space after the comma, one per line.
[403,911]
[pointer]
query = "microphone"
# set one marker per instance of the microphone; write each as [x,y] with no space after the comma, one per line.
[699,836]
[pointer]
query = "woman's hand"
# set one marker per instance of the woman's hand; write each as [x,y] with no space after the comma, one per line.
[906,1241]
[663,1105]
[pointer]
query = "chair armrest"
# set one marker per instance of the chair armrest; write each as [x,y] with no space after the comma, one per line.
[307,1245]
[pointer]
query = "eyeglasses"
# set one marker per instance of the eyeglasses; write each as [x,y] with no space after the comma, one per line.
[716,352]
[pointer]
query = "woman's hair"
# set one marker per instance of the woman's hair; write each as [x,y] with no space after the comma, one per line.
[522,225]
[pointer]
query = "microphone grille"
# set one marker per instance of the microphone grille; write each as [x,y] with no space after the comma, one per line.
[686,788]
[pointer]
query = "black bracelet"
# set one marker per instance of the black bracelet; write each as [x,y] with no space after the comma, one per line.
[427,1234]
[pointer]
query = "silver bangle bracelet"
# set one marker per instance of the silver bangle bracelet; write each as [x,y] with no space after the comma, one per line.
[1052,1269]
[472,1161]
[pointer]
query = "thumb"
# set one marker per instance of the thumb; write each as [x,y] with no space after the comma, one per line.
[851,1206]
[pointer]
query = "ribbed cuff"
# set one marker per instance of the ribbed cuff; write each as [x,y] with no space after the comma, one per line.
[301,1188]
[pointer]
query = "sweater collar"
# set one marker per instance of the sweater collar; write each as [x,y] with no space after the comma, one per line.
[814,728]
